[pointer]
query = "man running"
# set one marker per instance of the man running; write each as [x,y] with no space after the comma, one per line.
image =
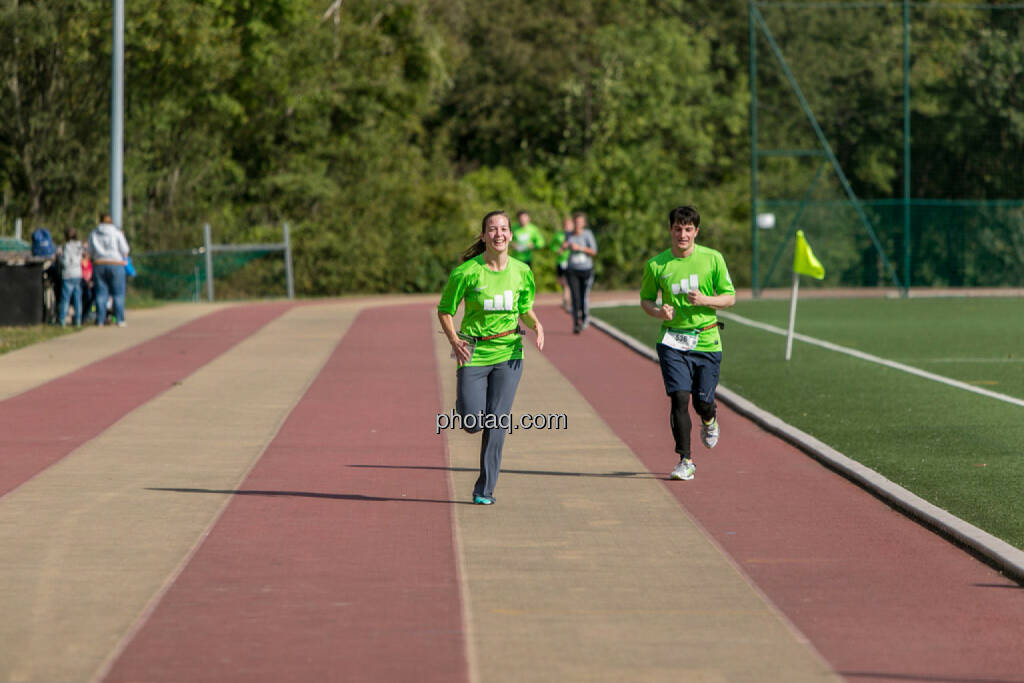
[693,282]
[527,238]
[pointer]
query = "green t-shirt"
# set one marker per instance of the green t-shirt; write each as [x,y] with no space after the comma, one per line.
[561,257]
[494,302]
[675,277]
[525,239]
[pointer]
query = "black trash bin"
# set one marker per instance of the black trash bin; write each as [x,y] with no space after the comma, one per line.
[21,291]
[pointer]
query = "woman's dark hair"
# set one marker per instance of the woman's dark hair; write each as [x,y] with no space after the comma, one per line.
[70,234]
[479,247]
[683,215]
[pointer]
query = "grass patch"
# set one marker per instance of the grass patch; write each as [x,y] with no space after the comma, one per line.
[12,338]
[956,449]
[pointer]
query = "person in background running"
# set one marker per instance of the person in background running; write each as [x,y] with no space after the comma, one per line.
[562,260]
[498,292]
[526,238]
[693,282]
[582,248]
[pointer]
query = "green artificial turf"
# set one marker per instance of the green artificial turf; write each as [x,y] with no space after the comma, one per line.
[961,451]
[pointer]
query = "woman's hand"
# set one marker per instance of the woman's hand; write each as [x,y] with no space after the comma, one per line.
[462,349]
[540,337]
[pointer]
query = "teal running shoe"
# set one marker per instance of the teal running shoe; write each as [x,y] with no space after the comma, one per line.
[483,500]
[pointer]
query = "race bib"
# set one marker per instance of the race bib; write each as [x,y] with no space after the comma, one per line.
[578,257]
[680,340]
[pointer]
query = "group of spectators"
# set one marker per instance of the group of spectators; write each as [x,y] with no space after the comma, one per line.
[575,250]
[91,273]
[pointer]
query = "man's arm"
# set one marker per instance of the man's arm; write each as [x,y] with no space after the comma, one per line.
[717,302]
[662,312]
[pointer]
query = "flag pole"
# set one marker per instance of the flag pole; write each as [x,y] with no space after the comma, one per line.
[792,314]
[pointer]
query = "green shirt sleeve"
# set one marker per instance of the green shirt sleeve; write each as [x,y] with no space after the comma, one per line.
[527,293]
[453,292]
[538,238]
[649,284]
[720,276]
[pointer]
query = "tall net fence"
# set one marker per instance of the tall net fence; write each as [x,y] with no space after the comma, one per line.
[952,243]
[891,133]
[180,275]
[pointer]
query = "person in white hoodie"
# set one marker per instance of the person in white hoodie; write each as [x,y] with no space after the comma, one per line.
[109,252]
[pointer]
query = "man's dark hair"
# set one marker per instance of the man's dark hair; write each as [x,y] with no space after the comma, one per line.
[683,215]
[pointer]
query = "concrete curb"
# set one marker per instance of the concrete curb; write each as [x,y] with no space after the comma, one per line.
[992,550]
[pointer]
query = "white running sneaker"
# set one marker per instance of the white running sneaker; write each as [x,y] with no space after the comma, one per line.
[684,470]
[709,432]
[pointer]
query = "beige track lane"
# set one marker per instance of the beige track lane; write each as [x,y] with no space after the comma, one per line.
[28,367]
[587,569]
[88,545]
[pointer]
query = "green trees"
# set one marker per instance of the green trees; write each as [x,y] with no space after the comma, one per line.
[382,131]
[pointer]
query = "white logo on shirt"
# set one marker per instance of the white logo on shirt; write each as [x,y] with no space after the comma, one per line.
[685,286]
[500,302]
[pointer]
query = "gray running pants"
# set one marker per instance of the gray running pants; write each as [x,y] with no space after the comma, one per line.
[487,390]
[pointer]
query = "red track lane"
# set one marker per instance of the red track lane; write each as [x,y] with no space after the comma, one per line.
[336,559]
[42,425]
[882,598]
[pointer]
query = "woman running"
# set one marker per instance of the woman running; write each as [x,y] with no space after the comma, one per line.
[498,291]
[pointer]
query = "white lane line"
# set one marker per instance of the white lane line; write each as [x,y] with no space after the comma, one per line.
[874,359]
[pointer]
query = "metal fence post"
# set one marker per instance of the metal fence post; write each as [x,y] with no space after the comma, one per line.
[289,276]
[209,260]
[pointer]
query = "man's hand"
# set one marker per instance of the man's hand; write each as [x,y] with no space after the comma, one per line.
[666,312]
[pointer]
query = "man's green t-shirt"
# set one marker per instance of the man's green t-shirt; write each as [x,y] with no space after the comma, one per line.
[525,239]
[704,269]
[494,302]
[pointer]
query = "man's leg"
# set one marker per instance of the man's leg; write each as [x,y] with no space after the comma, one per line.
[679,419]
[101,274]
[118,286]
[706,367]
[677,375]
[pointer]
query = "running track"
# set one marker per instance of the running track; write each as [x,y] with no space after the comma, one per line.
[329,549]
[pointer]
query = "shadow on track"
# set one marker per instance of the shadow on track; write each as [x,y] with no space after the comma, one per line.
[549,473]
[309,494]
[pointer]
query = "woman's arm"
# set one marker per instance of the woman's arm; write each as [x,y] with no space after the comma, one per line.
[460,347]
[531,320]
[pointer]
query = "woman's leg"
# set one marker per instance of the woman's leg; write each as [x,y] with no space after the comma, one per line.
[585,303]
[501,392]
[576,288]
[65,295]
[76,299]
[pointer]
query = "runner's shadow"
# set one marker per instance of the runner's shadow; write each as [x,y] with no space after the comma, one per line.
[925,678]
[308,494]
[549,473]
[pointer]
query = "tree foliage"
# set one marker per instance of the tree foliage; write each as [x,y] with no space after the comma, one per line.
[383,130]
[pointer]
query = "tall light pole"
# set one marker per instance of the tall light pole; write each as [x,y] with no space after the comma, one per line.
[117,115]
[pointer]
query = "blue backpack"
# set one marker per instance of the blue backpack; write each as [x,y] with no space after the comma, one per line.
[42,243]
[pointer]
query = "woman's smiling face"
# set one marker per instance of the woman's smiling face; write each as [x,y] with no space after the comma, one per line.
[497,233]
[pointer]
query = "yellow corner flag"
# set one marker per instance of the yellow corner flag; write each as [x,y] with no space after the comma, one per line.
[804,261]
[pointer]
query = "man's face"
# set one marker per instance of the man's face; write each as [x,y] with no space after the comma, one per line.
[523,218]
[683,236]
